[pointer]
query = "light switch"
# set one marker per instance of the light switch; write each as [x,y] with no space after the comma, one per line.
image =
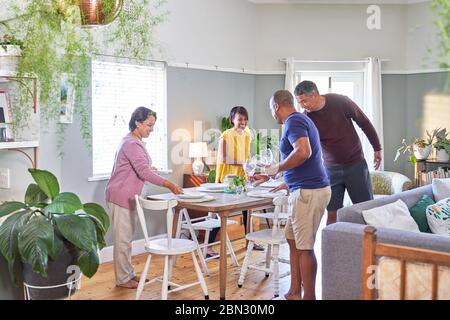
[4,178]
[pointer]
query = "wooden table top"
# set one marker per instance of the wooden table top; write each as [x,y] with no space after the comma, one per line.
[222,202]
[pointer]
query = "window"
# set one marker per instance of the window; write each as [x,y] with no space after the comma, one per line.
[348,83]
[117,90]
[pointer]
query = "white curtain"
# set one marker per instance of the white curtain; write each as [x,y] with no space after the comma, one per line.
[373,106]
[289,80]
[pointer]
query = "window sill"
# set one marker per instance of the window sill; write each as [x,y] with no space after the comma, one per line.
[107,176]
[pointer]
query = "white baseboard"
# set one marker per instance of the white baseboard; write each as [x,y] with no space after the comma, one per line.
[106,254]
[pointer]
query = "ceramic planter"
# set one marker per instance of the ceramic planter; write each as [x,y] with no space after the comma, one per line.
[421,153]
[442,155]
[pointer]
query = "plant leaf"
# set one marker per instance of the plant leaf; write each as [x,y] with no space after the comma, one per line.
[57,247]
[9,231]
[34,195]
[46,181]
[35,242]
[88,262]
[96,210]
[9,207]
[65,202]
[77,230]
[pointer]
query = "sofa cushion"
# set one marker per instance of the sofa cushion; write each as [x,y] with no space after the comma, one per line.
[419,213]
[441,189]
[438,216]
[393,215]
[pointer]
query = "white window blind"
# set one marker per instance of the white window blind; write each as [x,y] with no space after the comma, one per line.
[117,90]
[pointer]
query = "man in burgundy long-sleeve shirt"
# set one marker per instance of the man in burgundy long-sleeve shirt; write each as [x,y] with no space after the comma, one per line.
[333,115]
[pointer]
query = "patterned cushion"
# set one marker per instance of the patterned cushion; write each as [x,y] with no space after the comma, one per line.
[438,217]
[387,182]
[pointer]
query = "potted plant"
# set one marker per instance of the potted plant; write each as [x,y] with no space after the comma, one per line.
[58,41]
[420,148]
[10,50]
[442,147]
[49,232]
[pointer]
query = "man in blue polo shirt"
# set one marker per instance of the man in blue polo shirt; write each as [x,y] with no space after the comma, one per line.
[306,178]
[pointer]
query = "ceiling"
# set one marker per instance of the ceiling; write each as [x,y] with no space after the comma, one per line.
[337,1]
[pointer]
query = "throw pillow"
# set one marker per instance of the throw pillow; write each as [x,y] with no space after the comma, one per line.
[441,189]
[438,216]
[419,213]
[392,215]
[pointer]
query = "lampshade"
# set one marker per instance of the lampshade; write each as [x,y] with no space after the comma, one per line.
[198,150]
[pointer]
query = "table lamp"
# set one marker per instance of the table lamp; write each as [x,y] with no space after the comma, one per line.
[197,150]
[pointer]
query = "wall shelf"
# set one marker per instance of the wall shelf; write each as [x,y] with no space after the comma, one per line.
[19,144]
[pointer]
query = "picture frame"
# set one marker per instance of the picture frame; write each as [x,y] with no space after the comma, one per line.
[66,100]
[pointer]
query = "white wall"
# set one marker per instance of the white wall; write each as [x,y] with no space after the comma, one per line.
[210,32]
[325,32]
[421,35]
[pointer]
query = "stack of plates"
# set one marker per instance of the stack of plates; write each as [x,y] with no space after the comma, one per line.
[211,187]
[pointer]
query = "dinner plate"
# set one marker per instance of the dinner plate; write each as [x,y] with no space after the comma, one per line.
[203,189]
[191,195]
[213,186]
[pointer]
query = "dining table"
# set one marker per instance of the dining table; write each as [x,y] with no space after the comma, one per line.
[224,205]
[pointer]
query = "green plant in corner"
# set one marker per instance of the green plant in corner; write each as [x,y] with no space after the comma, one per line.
[36,229]
[442,142]
[56,43]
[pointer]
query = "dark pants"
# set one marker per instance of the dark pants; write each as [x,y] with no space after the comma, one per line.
[215,231]
[355,178]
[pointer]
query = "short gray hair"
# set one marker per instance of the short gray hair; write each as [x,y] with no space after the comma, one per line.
[306,87]
[283,98]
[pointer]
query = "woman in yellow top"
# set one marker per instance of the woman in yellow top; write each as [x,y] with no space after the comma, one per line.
[233,152]
[234,146]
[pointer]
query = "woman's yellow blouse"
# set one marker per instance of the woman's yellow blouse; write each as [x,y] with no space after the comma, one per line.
[238,149]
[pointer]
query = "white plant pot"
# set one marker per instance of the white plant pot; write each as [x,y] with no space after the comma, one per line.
[421,153]
[9,58]
[442,155]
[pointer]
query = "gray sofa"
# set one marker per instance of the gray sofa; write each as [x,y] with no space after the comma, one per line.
[342,243]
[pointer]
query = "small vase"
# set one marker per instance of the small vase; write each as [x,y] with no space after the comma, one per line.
[442,155]
[421,153]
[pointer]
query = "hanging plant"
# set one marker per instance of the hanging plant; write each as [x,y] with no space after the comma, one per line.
[58,40]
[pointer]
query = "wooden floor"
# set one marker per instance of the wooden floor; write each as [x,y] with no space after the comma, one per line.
[256,285]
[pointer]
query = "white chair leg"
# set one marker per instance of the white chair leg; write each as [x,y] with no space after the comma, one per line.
[200,277]
[143,277]
[233,255]
[245,264]
[276,270]
[251,223]
[165,282]
[268,257]
[173,259]
[194,238]
[205,247]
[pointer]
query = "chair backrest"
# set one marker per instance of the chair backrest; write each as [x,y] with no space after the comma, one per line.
[156,205]
[279,203]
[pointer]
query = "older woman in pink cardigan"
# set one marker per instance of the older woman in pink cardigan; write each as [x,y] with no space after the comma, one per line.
[132,167]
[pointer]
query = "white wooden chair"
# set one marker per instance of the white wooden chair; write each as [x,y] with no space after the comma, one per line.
[282,218]
[272,239]
[166,246]
[207,224]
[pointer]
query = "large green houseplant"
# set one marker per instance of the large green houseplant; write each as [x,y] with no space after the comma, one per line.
[56,43]
[37,229]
